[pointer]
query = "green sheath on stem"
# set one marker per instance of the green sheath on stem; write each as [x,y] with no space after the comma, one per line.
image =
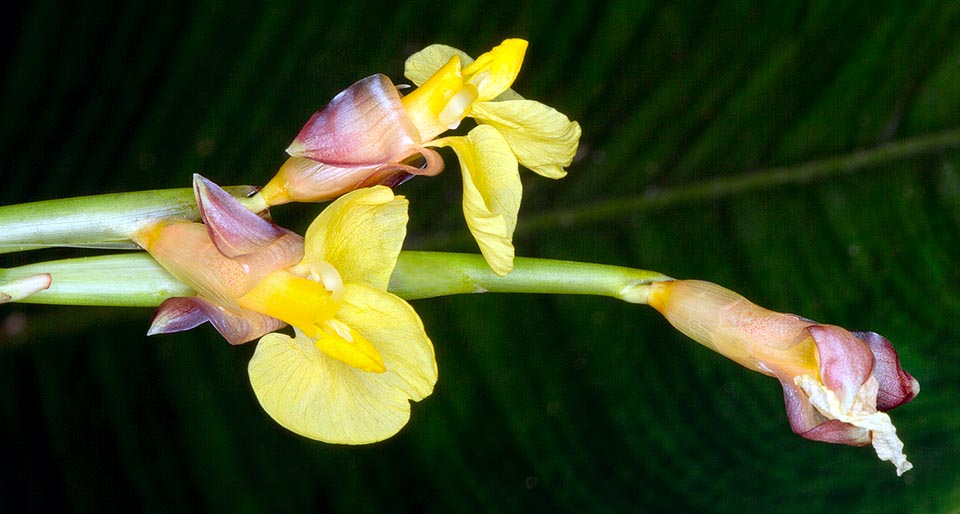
[98,221]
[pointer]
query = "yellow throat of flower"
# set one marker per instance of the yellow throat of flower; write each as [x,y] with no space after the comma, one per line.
[441,102]
[311,305]
[448,96]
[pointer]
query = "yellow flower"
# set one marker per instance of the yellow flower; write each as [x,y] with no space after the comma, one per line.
[369,135]
[362,354]
[837,385]
[359,353]
[511,130]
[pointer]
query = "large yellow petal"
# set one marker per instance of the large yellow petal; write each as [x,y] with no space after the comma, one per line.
[393,327]
[360,234]
[491,192]
[543,139]
[325,399]
[420,66]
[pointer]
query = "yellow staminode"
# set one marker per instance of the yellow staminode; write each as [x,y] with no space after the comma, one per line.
[311,307]
[431,106]
[301,302]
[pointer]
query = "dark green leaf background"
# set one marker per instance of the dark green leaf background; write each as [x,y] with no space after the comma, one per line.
[545,404]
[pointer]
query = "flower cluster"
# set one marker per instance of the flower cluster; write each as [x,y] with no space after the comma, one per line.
[368,134]
[358,354]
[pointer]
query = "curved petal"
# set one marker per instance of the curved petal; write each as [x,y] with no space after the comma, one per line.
[360,234]
[543,139]
[807,422]
[325,399]
[491,192]
[846,362]
[420,66]
[863,415]
[233,228]
[494,71]
[896,385]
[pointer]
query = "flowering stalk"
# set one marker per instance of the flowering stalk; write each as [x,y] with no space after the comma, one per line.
[136,280]
[837,384]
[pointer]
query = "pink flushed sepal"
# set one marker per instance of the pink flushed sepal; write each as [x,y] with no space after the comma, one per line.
[897,387]
[179,314]
[363,124]
[362,138]
[857,367]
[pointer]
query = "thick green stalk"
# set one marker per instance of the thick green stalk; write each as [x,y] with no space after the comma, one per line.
[98,221]
[430,274]
[136,280]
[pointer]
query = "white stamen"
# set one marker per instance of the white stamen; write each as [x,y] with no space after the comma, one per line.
[326,274]
[458,107]
[863,414]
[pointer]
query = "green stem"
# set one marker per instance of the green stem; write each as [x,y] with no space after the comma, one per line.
[430,274]
[98,221]
[136,280]
[119,280]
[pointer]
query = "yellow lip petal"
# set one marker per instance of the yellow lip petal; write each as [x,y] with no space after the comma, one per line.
[322,398]
[427,103]
[393,327]
[338,340]
[422,65]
